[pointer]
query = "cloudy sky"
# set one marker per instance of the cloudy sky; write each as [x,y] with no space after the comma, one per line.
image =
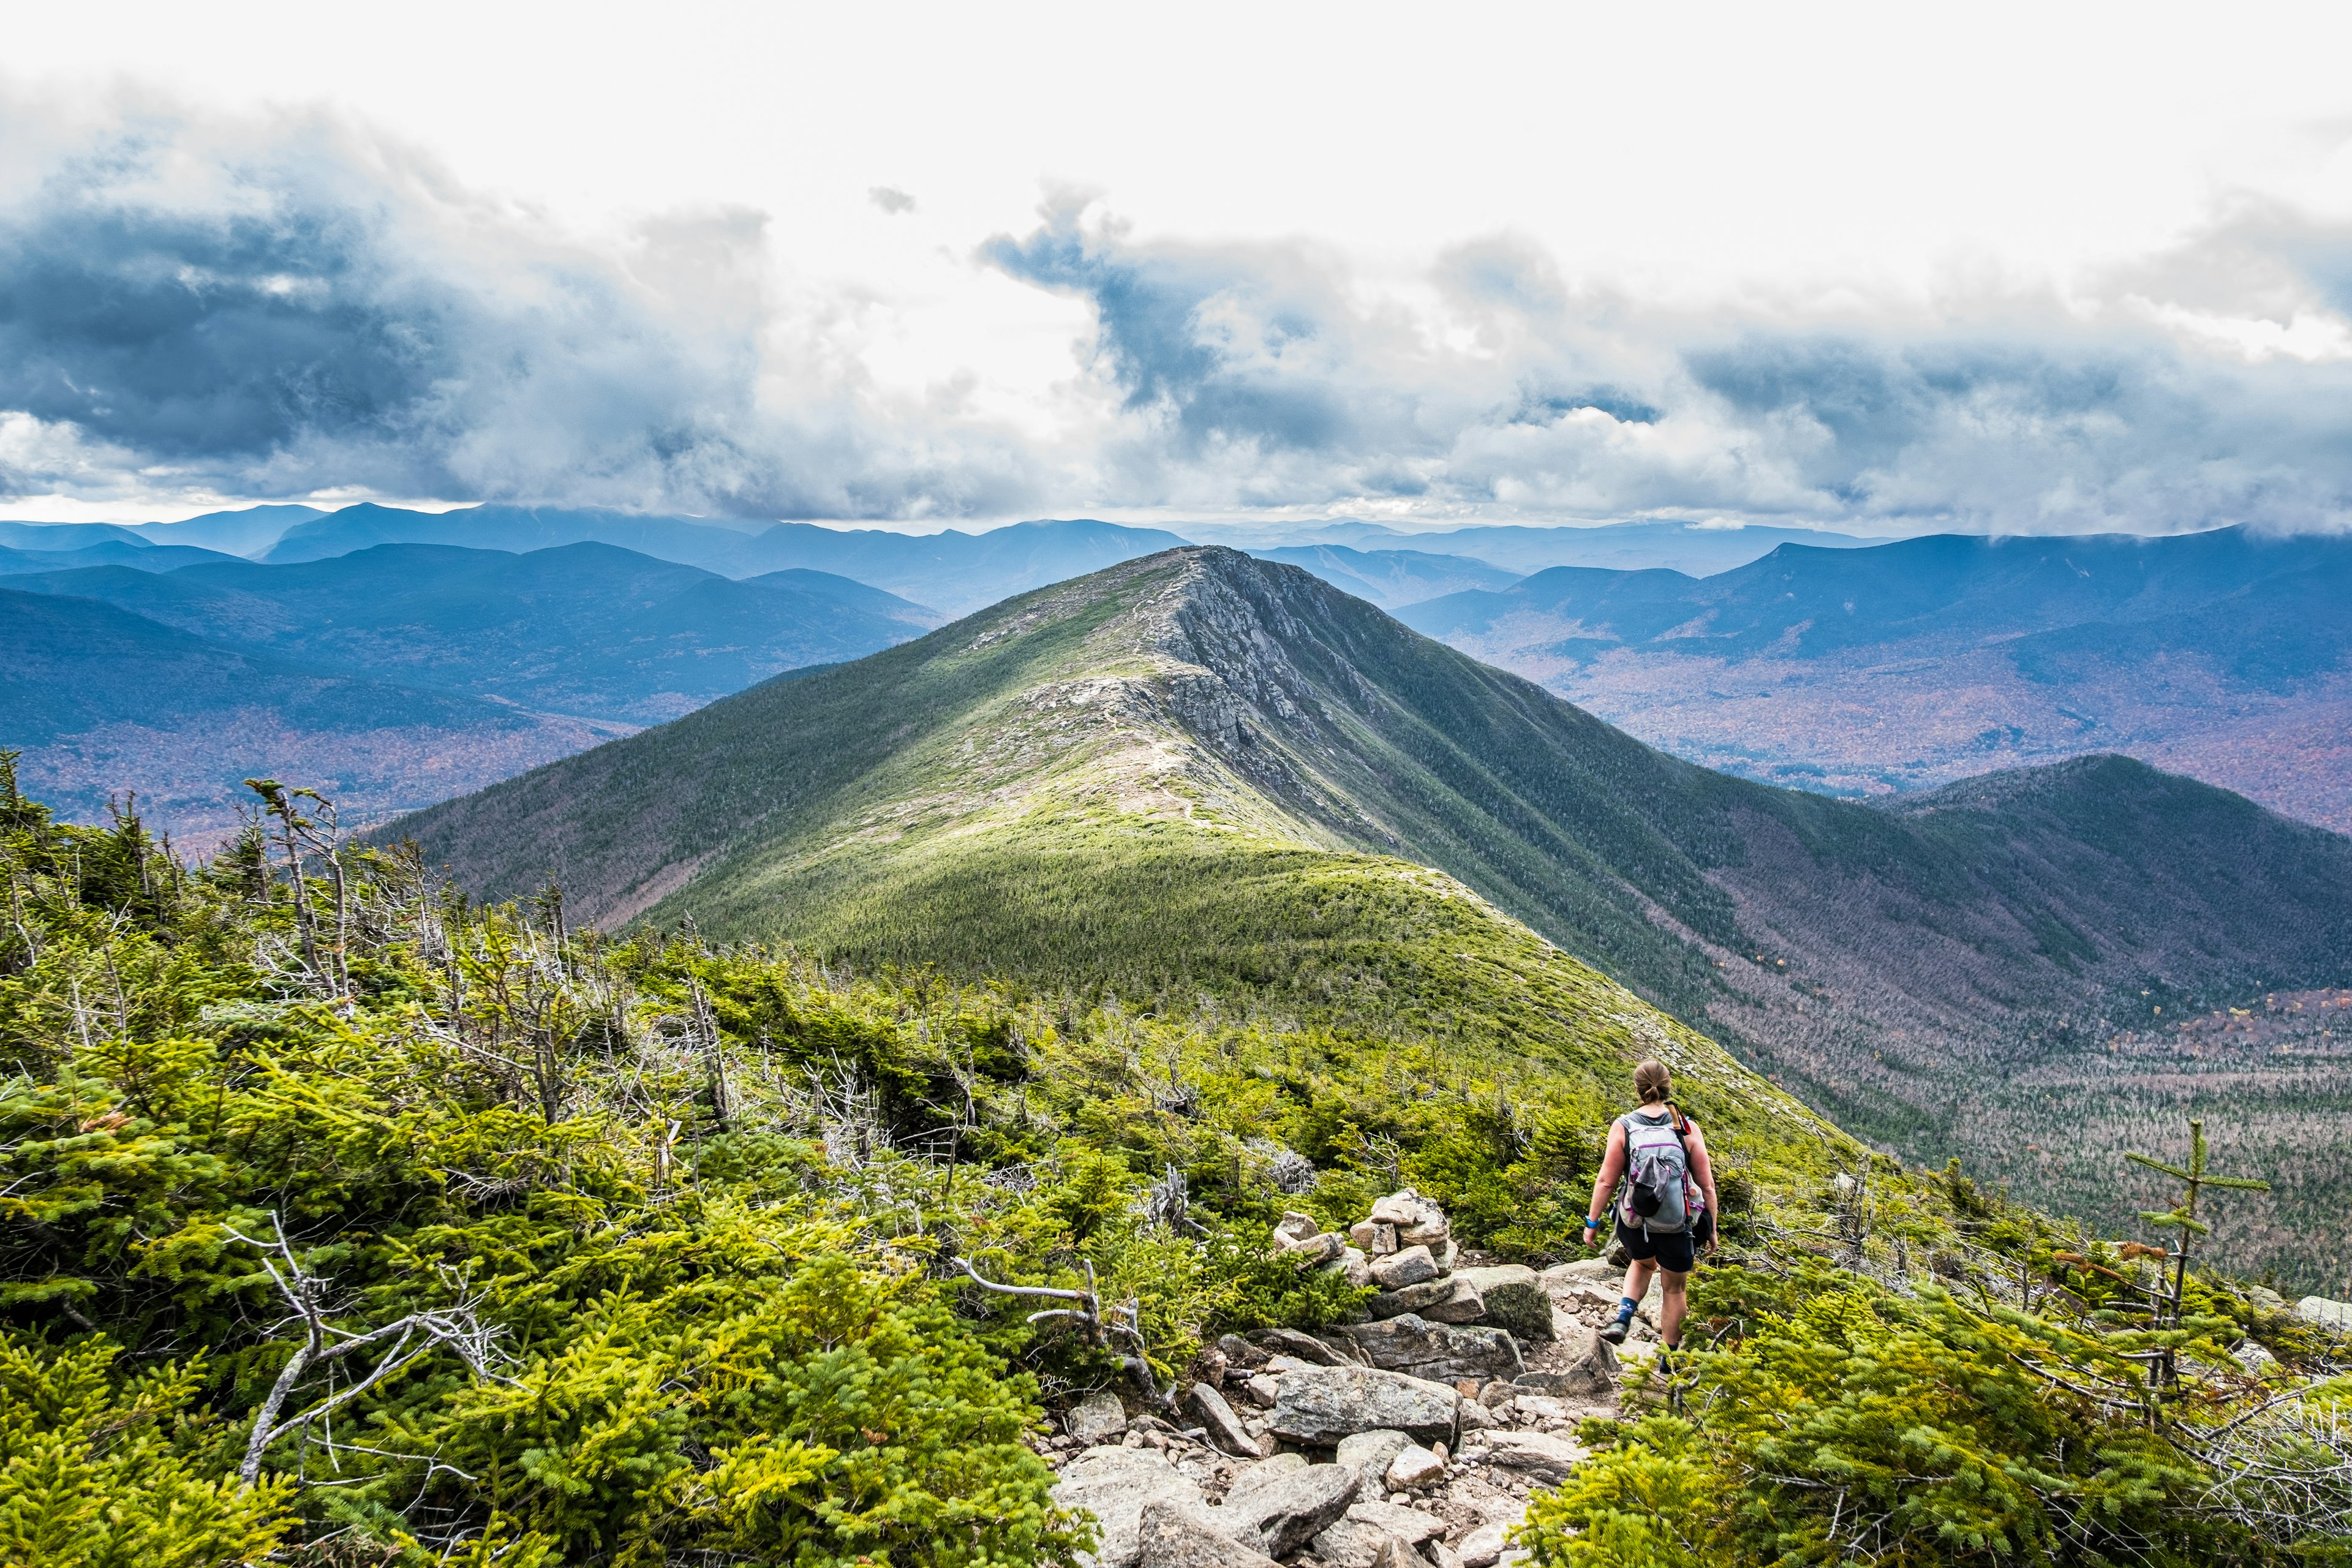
[1876,268]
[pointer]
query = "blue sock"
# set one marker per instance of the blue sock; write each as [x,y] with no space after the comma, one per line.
[1626,1307]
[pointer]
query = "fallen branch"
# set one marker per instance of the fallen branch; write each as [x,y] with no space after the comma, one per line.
[1122,1325]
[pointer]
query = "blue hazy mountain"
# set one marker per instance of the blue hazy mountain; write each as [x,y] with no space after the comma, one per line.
[953,571]
[61,536]
[2225,654]
[587,629]
[1390,577]
[109,552]
[1806,602]
[248,530]
[513,529]
[102,700]
[1695,549]
[958,572]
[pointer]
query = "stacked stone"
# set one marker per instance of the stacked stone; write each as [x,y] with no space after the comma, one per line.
[1405,1249]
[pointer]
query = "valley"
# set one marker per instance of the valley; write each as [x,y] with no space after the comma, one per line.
[106,703]
[2223,656]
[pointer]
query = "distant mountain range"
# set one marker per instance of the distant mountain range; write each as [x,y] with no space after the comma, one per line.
[1113,781]
[1391,578]
[103,701]
[955,571]
[246,531]
[587,629]
[1832,664]
[2224,655]
[470,654]
[137,556]
[1697,549]
[952,571]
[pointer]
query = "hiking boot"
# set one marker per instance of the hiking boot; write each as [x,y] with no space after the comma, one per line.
[1615,1331]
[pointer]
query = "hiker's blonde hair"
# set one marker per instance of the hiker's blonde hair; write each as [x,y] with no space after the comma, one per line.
[1654,1082]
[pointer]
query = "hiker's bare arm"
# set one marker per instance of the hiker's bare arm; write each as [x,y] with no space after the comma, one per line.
[1612,1165]
[1703,1169]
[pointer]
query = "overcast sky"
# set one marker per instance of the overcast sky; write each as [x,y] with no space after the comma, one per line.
[1879,269]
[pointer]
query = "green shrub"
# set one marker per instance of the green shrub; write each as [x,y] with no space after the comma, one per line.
[100,1469]
[1849,1423]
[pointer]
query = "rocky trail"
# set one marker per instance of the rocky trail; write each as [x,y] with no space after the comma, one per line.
[1415,1437]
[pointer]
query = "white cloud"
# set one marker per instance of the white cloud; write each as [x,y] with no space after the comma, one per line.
[280,306]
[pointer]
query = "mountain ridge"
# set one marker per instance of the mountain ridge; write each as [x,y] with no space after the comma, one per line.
[1046,782]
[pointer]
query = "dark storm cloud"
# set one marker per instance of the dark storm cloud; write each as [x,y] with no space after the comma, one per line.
[273,313]
[212,336]
[1160,338]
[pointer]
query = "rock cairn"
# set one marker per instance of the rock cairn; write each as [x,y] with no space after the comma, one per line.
[1411,1439]
[1405,1249]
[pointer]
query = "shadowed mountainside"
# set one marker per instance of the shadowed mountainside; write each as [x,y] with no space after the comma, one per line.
[79,694]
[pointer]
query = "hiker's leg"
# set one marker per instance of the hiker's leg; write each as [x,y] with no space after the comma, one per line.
[1672,1307]
[1637,1280]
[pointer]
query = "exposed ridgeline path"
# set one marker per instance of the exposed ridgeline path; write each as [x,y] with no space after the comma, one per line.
[1204,773]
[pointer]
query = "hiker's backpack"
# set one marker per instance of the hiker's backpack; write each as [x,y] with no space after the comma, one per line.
[1657,1188]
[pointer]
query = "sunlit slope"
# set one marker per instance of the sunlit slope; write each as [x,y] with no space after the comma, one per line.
[1075,791]
[1143,722]
[1165,714]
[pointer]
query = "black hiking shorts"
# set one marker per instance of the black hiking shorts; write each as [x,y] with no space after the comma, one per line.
[1673,1251]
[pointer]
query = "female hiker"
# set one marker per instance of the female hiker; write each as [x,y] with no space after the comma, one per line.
[1657,1168]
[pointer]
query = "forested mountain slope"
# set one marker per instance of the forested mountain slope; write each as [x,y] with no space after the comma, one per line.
[102,701]
[1163,780]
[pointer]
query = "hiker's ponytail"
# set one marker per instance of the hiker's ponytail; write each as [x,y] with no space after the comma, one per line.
[1654,1082]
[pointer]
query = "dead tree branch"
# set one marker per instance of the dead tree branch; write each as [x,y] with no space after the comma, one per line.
[392,1346]
[1120,1332]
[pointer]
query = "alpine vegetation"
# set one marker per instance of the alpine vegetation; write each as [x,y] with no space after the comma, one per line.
[348,1220]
